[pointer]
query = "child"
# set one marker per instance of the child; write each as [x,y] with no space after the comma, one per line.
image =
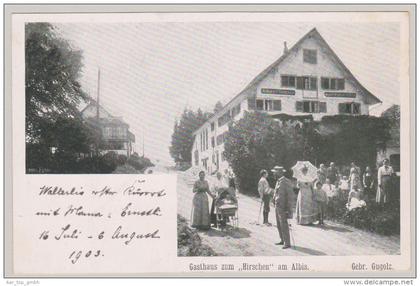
[355,200]
[329,189]
[344,187]
[322,199]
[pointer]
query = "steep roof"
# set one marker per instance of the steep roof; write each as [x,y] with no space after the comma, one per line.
[368,96]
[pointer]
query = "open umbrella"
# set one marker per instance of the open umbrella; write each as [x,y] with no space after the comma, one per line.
[304,171]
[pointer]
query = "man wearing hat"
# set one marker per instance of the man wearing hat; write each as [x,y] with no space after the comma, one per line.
[283,195]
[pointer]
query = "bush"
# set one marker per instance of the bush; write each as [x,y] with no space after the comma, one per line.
[372,217]
[189,242]
[126,169]
[111,160]
[336,208]
[139,163]
[182,166]
[103,164]
[258,142]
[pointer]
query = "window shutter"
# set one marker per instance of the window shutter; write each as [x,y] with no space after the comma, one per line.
[260,104]
[356,108]
[323,107]
[284,80]
[277,105]
[251,103]
[340,84]
[300,82]
[299,106]
[341,108]
[325,83]
[314,82]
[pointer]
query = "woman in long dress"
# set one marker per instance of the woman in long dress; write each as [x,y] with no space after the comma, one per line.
[355,180]
[200,211]
[306,208]
[385,174]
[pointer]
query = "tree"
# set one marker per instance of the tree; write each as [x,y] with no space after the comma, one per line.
[51,84]
[68,137]
[343,139]
[257,141]
[182,137]
[217,107]
[260,139]
[53,94]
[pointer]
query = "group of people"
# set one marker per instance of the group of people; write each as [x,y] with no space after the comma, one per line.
[312,195]
[222,191]
[357,187]
[310,203]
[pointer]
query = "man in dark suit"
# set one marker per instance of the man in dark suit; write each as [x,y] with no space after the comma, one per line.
[283,197]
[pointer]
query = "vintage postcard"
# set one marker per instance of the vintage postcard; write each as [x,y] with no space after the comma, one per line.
[210,141]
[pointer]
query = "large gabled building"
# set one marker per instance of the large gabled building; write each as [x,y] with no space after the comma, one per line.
[308,79]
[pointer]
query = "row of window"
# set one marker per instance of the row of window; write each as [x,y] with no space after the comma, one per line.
[311,82]
[306,106]
[227,116]
[215,159]
[311,106]
[114,132]
[268,104]
[204,140]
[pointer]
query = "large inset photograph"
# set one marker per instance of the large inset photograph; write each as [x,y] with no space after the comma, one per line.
[284,136]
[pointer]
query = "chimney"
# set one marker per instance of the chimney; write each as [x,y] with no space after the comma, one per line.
[285,48]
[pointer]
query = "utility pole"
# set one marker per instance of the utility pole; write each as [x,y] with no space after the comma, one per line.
[97,112]
[143,143]
[97,95]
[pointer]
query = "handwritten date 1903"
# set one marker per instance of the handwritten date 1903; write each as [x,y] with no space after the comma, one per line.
[75,255]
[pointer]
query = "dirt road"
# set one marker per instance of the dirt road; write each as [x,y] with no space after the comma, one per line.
[251,239]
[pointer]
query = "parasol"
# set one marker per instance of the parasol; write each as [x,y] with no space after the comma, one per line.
[304,171]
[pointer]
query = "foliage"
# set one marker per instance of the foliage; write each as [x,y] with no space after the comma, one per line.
[336,207]
[372,217]
[266,142]
[183,166]
[55,133]
[126,169]
[59,145]
[217,107]
[182,137]
[343,139]
[189,242]
[52,71]
[139,163]
[259,139]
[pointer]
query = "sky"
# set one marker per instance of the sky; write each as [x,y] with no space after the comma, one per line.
[150,72]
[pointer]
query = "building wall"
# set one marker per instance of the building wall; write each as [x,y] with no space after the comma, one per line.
[325,67]
[218,149]
[293,65]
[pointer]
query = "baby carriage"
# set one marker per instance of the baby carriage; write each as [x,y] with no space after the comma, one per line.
[226,209]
